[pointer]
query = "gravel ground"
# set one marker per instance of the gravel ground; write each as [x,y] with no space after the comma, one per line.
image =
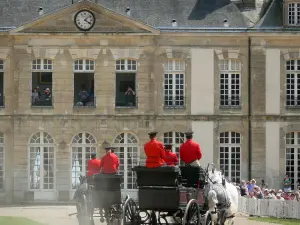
[58,215]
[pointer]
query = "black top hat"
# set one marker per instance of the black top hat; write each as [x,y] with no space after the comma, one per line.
[152,133]
[107,147]
[189,133]
[168,145]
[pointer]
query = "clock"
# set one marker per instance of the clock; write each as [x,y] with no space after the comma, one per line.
[84,20]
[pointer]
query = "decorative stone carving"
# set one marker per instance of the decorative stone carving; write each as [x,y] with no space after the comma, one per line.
[233,54]
[43,53]
[78,53]
[219,53]
[126,53]
[4,53]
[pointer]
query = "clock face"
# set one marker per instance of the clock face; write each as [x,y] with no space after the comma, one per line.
[84,20]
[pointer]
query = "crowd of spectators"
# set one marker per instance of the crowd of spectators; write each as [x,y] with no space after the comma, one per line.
[251,190]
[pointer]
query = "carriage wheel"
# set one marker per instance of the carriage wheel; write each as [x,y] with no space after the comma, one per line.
[84,214]
[130,213]
[191,214]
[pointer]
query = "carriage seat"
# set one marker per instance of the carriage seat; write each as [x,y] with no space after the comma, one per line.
[158,188]
[110,182]
[159,177]
[193,176]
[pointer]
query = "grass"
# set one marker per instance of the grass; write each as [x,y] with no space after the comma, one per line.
[275,220]
[8,220]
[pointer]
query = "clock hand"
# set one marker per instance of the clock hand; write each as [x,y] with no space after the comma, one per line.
[87,21]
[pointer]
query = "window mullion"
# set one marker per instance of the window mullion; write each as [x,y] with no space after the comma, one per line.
[174,88]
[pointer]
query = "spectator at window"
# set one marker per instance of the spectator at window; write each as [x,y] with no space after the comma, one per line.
[47,94]
[35,96]
[129,96]
[83,96]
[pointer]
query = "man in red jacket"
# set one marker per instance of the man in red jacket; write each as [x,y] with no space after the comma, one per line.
[154,151]
[109,162]
[190,151]
[171,158]
[93,167]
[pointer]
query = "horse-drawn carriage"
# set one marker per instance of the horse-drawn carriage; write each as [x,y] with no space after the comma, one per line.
[166,195]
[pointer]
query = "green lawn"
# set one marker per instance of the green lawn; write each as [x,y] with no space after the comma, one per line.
[7,220]
[275,220]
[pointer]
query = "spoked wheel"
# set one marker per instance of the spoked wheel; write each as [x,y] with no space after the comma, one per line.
[130,213]
[84,217]
[191,214]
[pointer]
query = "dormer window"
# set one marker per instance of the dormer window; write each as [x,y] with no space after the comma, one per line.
[293,13]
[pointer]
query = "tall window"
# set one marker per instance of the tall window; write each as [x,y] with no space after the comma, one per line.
[42,162]
[230,155]
[293,83]
[84,92]
[230,83]
[82,146]
[127,149]
[293,13]
[174,83]
[292,157]
[1,83]
[1,161]
[41,82]
[176,139]
[126,83]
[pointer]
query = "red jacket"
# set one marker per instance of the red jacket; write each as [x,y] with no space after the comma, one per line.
[155,153]
[110,163]
[93,167]
[190,151]
[171,158]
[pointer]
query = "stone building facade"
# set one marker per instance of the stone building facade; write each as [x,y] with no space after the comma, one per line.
[234,85]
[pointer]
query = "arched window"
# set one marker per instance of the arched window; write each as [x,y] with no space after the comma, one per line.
[84,83]
[42,162]
[230,83]
[127,149]
[292,157]
[82,146]
[230,155]
[1,161]
[293,83]
[174,83]
[1,83]
[176,139]
[126,93]
[41,82]
[293,12]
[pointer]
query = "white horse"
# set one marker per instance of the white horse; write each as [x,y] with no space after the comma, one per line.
[212,197]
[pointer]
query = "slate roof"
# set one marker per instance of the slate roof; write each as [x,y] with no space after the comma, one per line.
[273,16]
[157,13]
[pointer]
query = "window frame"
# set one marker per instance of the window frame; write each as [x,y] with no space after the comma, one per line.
[84,145]
[84,65]
[42,145]
[172,68]
[295,73]
[2,144]
[296,154]
[126,65]
[122,141]
[127,70]
[42,65]
[230,146]
[296,10]
[2,65]
[230,71]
